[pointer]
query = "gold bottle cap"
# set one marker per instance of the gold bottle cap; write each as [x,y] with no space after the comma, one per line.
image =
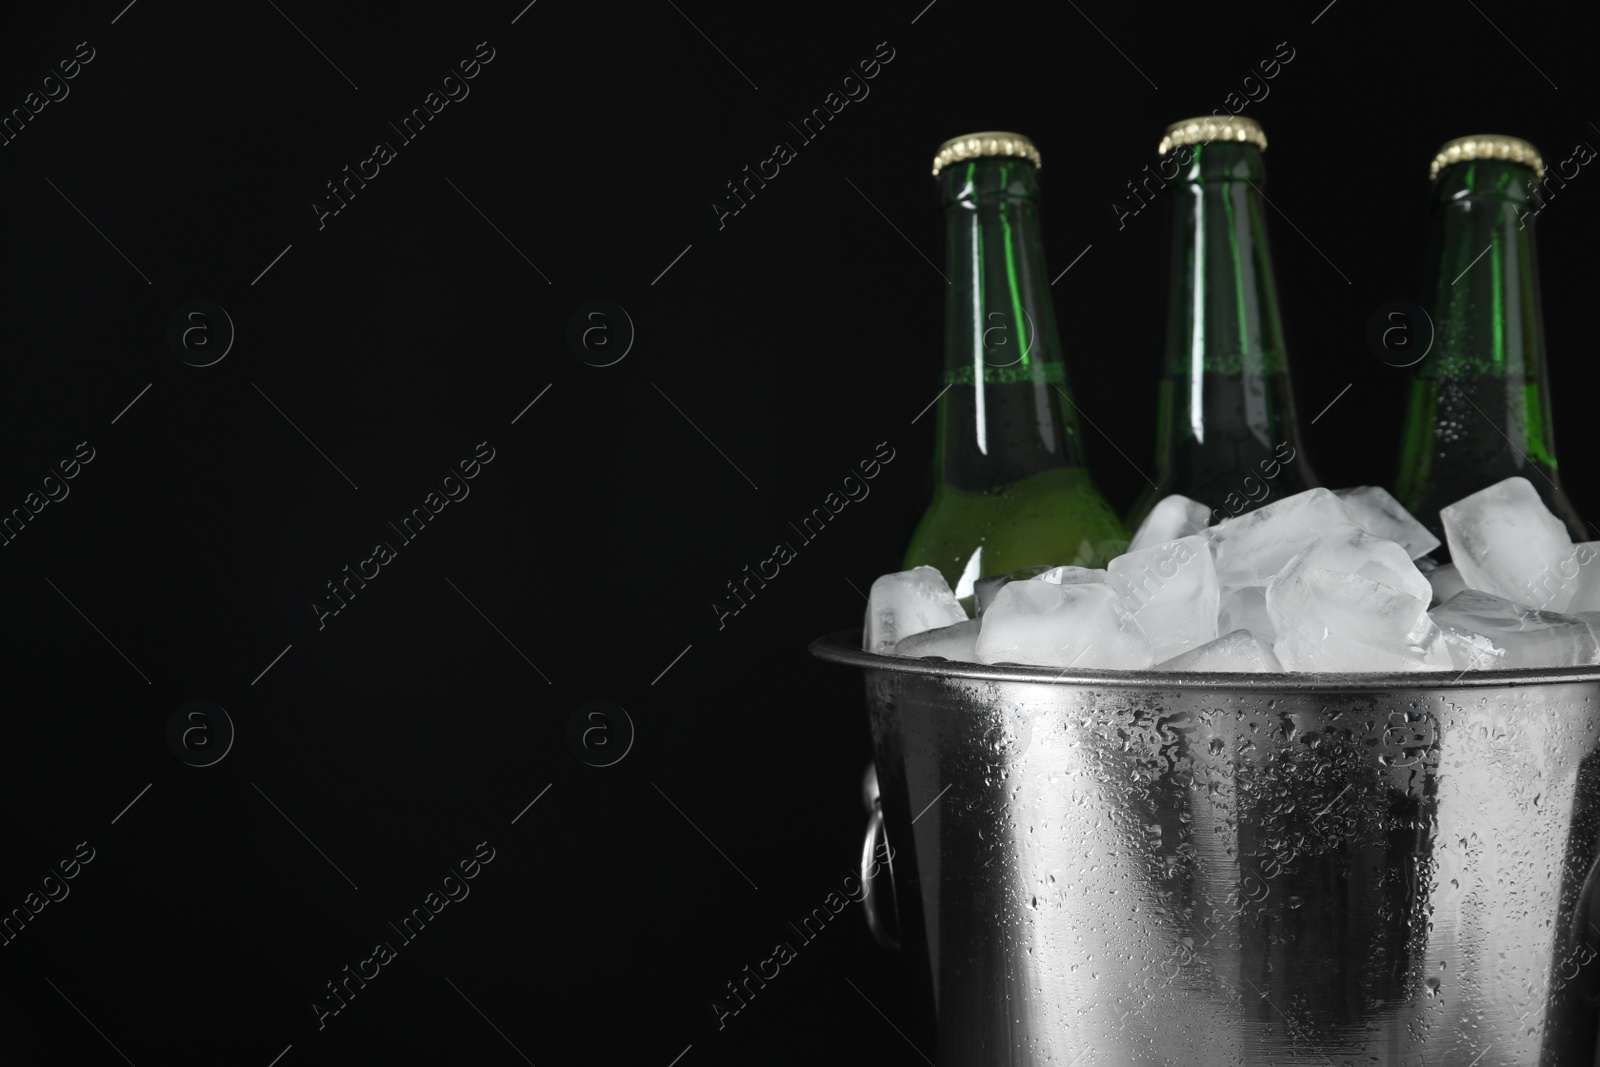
[1487,146]
[1208,128]
[990,143]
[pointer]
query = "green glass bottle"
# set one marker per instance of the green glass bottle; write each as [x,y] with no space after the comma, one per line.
[1226,433]
[1011,486]
[1479,409]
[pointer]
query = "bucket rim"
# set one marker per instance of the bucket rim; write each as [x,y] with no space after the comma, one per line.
[844,647]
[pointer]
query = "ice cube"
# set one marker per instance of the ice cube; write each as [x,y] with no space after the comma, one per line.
[906,603]
[957,642]
[1073,576]
[1244,607]
[1352,602]
[1238,651]
[1446,582]
[1352,550]
[1578,572]
[1504,541]
[1062,626]
[1173,517]
[1516,635]
[1252,548]
[1336,621]
[1381,515]
[1341,547]
[1171,589]
[1431,642]
[1470,651]
[984,589]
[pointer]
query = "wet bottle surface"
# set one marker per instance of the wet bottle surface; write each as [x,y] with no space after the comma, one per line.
[1011,488]
[1479,408]
[1226,433]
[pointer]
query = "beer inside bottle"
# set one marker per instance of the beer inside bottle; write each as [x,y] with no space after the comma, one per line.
[1479,409]
[1011,488]
[1226,433]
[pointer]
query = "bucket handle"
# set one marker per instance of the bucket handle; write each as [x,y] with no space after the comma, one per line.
[1580,919]
[877,880]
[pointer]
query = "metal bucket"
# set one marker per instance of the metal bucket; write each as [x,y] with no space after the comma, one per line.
[1112,869]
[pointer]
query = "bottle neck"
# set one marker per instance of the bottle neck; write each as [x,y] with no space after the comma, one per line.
[1483,285]
[1226,432]
[1224,331]
[1004,414]
[1480,400]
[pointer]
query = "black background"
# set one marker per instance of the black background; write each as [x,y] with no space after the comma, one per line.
[419,721]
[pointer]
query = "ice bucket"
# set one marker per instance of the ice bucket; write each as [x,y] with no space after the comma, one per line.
[1113,869]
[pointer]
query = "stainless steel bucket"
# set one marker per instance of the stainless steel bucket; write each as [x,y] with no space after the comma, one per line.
[1110,869]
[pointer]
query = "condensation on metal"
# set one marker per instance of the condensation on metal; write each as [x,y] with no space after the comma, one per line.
[1148,869]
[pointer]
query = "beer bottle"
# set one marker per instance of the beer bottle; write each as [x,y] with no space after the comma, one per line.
[1011,488]
[1226,433]
[1479,408]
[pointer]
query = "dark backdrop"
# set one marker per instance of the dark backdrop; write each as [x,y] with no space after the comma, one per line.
[379,349]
